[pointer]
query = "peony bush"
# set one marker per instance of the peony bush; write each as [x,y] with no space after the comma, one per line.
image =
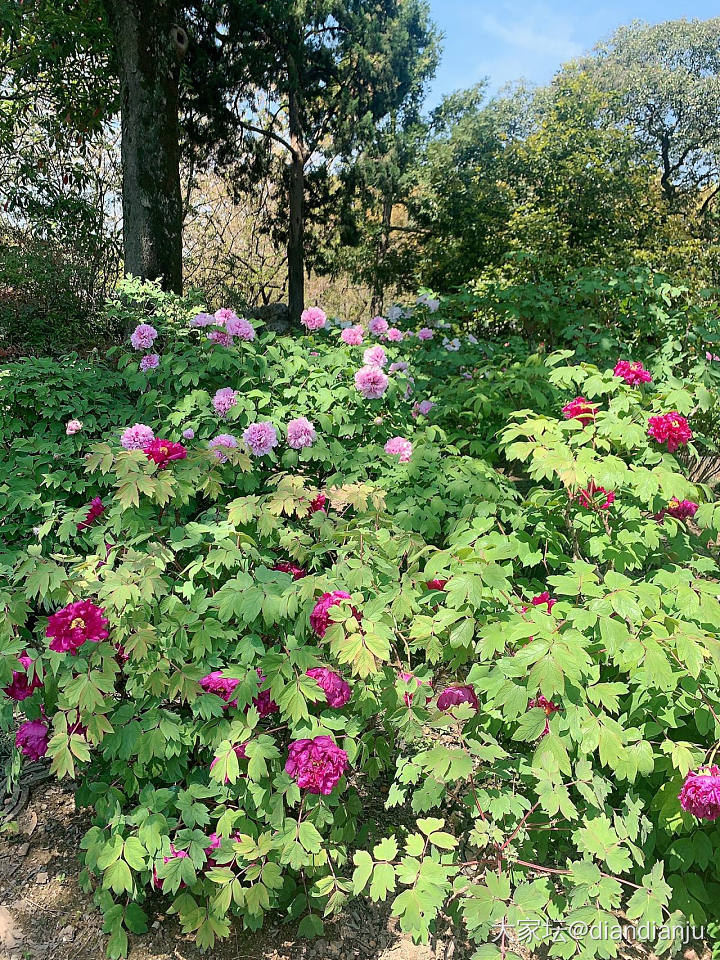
[286,583]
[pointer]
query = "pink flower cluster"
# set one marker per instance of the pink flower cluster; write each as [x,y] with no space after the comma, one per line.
[300,433]
[313,318]
[700,794]
[224,400]
[20,688]
[394,335]
[378,326]
[223,441]
[96,509]
[136,437]
[143,336]
[632,372]
[399,447]
[580,409]
[317,765]
[319,618]
[263,701]
[375,356]
[260,438]
[671,429]
[454,696]
[76,624]
[371,382]
[337,691]
[353,336]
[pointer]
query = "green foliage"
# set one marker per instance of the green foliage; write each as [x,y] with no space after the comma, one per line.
[504,824]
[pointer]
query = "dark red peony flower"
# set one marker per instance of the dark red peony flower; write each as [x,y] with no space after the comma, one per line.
[162,452]
[318,503]
[594,497]
[436,584]
[284,566]
[317,764]
[32,738]
[679,509]
[20,687]
[75,625]
[95,510]
[264,701]
[548,706]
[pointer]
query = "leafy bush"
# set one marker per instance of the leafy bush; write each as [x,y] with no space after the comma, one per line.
[529,639]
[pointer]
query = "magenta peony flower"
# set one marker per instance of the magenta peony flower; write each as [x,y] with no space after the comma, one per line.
[594,497]
[632,372]
[319,619]
[454,696]
[179,854]
[399,447]
[436,584]
[353,336]
[679,509]
[76,624]
[137,437]
[32,739]
[20,688]
[224,400]
[188,433]
[149,362]
[317,764]
[318,504]
[241,328]
[700,794]
[264,701]
[394,335]
[408,678]
[142,336]
[260,438]
[300,433]
[73,426]
[371,382]
[375,356]
[378,326]
[400,366]
[313,318]
[670,428]
[337,691]
[542,599]
[548,706]
[162,452]
[203,320]
[223,441]
[96,509]
[422,408]
[221,686]
[284,566]
[580,409]
[425,334]
[221,338]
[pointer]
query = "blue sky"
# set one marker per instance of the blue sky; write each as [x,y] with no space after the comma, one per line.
[508,40]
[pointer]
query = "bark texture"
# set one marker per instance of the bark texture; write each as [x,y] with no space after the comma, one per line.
[149,48]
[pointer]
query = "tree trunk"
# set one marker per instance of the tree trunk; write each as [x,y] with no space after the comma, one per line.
[296,198]
[149,48]
[378,295]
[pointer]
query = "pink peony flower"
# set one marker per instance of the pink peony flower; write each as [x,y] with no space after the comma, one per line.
[220,337]
[632,372]
[711,356]
[371,382]
[378,326]
[700,794]
[337,691]
[580,409]
[20,688]
[317,764]
[284,566]
[73,426]
[223,441]
[263,701]
[162,452]
[241,328]
[399,447]
[260,438]
[353,336]
[319,619]
[188,433]
[679,509]
[313,318]
[454,696]
[408,678]
[594,497]
[224,400]
[95,510]
[32,739]
[394,335]
[142,336]
[136,437]
[422,408]
[300,433]
[149,362]
[203,320]
[224,315]
[400,366]
[76,624]
[548,706]
[425,334]
[670,428]
[221,686]
[375,356]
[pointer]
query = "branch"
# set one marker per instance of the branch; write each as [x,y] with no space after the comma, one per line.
[266,133]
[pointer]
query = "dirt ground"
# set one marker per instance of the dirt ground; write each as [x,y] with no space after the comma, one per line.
[45,915]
